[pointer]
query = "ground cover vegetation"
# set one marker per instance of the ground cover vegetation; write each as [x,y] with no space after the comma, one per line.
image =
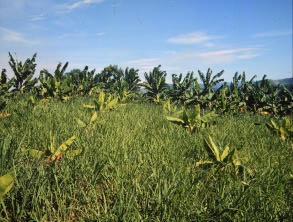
[80,146]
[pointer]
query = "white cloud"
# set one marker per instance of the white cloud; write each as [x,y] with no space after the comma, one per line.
[80,3]
[224,52]
[12,36]
[71,35]
[100,33]
[184,61]
[273,34]
[144,65]
[38,17]
[193,38]
[229,55]
[188,58]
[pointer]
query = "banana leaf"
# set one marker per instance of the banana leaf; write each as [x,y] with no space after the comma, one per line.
[64,146]
[34,153]
[6,183]
[212,149]
[175,120]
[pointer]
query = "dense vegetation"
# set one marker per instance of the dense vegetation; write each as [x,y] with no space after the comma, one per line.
[84,146]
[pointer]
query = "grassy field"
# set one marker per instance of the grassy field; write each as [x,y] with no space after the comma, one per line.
[137,166]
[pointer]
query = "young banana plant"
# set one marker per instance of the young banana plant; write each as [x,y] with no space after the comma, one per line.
[283,128]
[222,159]
[105,103]
[170,107]
[192,121]
[92,123]
[52,153]
[6,183]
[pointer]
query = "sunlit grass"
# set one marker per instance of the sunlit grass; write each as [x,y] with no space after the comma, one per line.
[136,166]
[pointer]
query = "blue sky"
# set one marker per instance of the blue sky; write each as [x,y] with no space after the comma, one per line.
[181,35]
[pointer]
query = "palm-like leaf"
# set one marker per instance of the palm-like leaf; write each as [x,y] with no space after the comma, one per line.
[226,158]
[6,183]
[192,121]
[155,82]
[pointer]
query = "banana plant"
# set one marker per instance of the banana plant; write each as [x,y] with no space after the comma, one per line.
[132,78]
[92,123]
[5,84]
[192,121]
[155,84]
[24,81]
[283,128]
[109,76]
[105,103]
[121,90]
[226,100]
[57,85]
[221,157]
[6,183]
[170,107]
[51,153]
[83,81]
[180,87]
[208,82]
[285,102]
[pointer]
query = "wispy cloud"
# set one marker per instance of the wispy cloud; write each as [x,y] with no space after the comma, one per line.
[217,57]
[81,3]
[193,38]
[71,35]
[227,52]
[144,65]
[229,55]
[273,34]
[38,17]
[100,33]
[185,60]
[12,36]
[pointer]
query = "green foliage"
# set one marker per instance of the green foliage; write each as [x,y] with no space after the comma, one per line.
[109,76]
[222,157]
[92,123]
[170,107]
[5,84]
[193,121]
[51,153]
[105,102]
[121,89]
[155,84]
[138,167]
[83,81]
[205,96]
[132,79]
[57,85]
[282,128]
[180,87]
[208,82]
[2,103]
[24,81]
[6,183]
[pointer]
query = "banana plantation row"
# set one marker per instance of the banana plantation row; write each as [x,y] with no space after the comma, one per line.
[239,95]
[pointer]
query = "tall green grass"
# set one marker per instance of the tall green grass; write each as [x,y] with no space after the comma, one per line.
[137,166]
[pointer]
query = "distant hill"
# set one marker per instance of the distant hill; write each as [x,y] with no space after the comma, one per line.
[286,81]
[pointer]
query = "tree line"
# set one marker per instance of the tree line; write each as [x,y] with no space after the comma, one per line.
[239,95]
